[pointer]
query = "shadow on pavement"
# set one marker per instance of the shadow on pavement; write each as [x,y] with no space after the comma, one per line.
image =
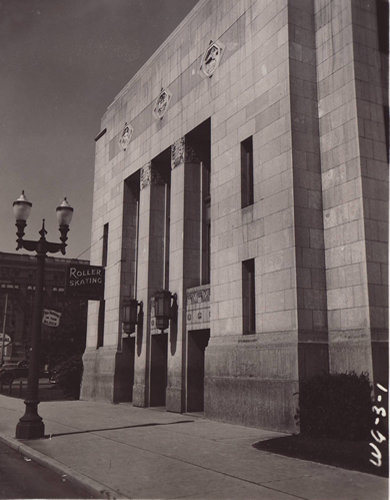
[50,436]
[351,455]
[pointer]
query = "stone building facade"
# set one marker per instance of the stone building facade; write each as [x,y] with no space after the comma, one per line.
[244,169]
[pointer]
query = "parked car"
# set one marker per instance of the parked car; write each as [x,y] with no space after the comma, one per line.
[12,371]
[53,375]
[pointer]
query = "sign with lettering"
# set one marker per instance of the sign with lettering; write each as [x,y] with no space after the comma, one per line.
[51,318]
[85,281]
[7,339]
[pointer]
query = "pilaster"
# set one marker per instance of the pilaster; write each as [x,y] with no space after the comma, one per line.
[184,255]
[150,271]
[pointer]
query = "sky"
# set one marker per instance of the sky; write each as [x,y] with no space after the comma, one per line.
[62,62]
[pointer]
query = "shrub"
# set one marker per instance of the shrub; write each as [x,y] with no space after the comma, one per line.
[68,375]
[336,406]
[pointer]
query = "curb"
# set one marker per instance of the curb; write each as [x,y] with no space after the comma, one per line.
[95,489]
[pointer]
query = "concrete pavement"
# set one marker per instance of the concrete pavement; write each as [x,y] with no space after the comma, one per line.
[117,451]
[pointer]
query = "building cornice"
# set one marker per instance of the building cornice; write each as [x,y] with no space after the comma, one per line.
[161,48]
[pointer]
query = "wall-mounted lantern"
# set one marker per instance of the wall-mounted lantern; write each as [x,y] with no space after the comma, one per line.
[163,308]
[130,314]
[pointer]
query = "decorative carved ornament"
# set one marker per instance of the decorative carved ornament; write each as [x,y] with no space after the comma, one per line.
[162,103]
[211,58]
[182,151]
[198,296]
[203,316]
[152,313]
[125,137]
[150,175]
[178,152]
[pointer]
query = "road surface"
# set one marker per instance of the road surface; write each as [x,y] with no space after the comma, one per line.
[23,478]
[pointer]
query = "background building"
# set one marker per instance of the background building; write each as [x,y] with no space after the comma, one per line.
[244,168]
[17,281]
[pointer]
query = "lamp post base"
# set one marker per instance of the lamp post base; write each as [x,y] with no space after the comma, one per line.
[30,426]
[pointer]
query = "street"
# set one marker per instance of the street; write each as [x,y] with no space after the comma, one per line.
[23,478]
[47,391]
[121,451]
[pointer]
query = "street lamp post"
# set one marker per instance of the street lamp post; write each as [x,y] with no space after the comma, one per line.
[31,426]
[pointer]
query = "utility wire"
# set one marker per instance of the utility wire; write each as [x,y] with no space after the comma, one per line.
[97,241]
[115,264]
[82,253]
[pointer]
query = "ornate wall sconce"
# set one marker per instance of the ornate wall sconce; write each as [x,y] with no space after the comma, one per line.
[163,308]
[131,315]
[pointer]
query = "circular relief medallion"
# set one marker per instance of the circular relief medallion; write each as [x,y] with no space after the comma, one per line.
[125,136]
[211,58]
[162,103]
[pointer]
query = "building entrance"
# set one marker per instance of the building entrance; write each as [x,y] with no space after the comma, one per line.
[159,369]
[127,369]
[197,343]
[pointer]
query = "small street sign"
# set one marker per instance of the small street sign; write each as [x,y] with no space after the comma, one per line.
[85,281]
[7,339]
[51,318]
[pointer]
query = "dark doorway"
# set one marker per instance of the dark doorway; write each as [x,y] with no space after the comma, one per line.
[197,343]
[159,369]
[128,368]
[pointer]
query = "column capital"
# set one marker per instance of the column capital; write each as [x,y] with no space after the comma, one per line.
[183,152]
[150,175]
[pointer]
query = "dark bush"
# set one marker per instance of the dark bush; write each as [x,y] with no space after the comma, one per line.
[68,375]
[336,406]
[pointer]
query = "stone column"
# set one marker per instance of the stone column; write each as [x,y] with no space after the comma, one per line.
[124,365]
[150,271]
[371,105]
[354,182]
[311,297]
[184,256]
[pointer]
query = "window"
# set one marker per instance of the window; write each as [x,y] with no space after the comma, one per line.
[382,14]
[247,172]
[206,223]
[102,308]
[131,228]
[248,296]
[386,120]
[105,245]
[102,304]
[198,142]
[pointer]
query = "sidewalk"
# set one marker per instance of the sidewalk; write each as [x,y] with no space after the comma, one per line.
[117,451]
